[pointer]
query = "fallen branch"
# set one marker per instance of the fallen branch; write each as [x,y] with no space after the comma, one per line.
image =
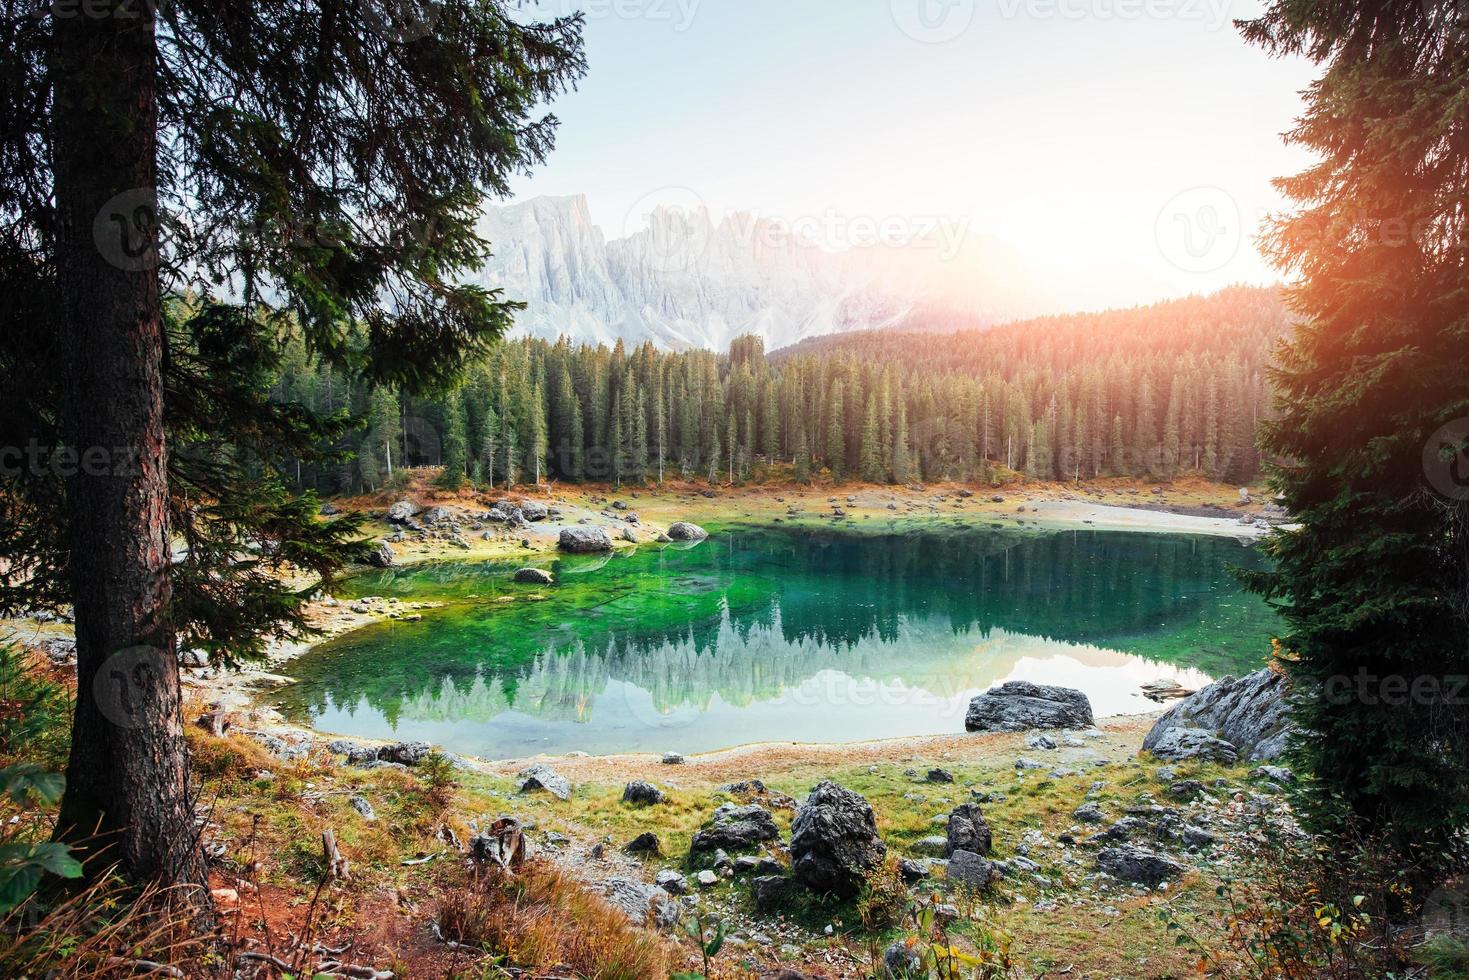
[336,863]
[266,958]
[334,969]
[144,966]
[423,860]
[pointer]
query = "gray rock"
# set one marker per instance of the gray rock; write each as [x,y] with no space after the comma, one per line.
[970,870]
[834,842]
[1186,789]
[646,843]
[736,828]
[940,776]
[912,871]
[1017,706]
[1279,774]
[401,512]
[1252,713]
[672,759]
[967,831]
[639,793]
[356,752]
[534,510]
[672,882]
[684,531]
[1197,837]
[405,753]
[1138,865]
[632,897]
[363,806]
[1089,813]
[1178,744]
[584,540]
[543,777]
[534,576]
[902,962]
[382,556]
[1040,742]
[706,878]
[935,846]
[771,892]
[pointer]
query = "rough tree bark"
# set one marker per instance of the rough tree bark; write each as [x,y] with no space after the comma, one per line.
[127,798]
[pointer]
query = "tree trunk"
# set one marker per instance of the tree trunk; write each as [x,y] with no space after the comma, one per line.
[127,792]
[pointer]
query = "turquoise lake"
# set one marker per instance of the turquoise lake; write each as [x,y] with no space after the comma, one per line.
[767,635]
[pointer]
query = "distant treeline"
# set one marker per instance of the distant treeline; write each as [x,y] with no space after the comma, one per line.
[1148,393]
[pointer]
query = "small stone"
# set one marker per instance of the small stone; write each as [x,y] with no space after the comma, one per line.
[940,776]
[707,879]
[639,793]
[672,882]
[646,843]
[363,806]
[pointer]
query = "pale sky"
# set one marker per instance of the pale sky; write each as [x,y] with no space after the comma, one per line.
[1123,148]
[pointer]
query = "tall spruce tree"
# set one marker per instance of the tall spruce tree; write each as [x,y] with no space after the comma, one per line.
[1374,388]
[319,157]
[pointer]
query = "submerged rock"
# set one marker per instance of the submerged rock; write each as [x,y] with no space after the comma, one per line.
[584,540]
[834,841]
[534,576]
[1251,713]
[1018,706]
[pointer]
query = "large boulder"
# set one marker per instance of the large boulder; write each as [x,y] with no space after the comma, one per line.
[1179,744]
[382,556]
[534,510]
[968,831]
[970,870]
[684,531]
[834,842]
[736,828]
[639,793]
[1018,706]
[1138,865]
[401,512]
[543,777]
[1252,713]
[585,540]
[405,753]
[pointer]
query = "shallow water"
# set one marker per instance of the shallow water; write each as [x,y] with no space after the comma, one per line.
[769,635]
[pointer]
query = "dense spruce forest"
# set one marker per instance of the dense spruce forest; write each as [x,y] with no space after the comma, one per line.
[1149,393]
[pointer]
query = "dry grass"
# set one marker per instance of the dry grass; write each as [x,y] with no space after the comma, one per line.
[540,919]
[106,931]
